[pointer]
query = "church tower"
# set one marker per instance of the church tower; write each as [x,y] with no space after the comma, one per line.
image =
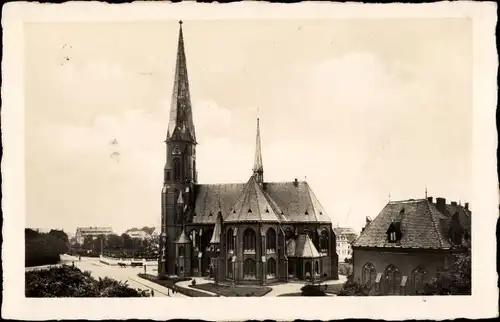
[180,168]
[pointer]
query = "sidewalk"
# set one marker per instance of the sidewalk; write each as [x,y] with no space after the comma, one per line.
[199,280]
[156,287]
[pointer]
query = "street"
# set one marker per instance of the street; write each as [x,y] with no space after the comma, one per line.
[128,274]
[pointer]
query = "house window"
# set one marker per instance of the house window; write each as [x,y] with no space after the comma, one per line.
[308,269]
[249,269]
[418,279]
[316,268]
[392,236]
[392,280]
[177,169]
[229,240]
[249,240]
[271,267]
[271,240]
[369,274]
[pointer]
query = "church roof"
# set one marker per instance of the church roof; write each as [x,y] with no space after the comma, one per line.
[421,223]
[302,247]
[252,205]
[183,238]
[290,201]
[181,126]
[297,201]
[212,198]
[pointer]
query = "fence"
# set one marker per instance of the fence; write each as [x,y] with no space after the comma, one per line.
[127,261]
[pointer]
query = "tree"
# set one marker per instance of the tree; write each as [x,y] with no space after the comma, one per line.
[114,241]
[454,281]
[128,243]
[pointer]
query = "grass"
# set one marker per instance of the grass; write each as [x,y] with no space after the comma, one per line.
[232,291]
[169,282]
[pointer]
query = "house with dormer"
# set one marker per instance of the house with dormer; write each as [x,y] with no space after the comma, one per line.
[408,243]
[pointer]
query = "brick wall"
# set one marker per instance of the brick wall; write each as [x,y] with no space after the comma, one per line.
[405,260]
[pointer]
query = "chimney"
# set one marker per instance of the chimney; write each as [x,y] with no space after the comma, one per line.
[296,182]
[441,204]
[466,205]
[453,203]
[430,199]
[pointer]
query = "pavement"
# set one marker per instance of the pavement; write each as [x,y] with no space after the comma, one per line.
[125,274]
[294,287]
[129,274]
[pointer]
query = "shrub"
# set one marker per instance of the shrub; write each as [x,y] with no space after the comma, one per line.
[355,288]
[68,281]
[312,290]
[454,281]
[345,269]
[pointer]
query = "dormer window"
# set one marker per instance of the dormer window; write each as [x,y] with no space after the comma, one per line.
[210,214]
[392,237]
[234,211]
[307,213]
[267,210]
[249,211]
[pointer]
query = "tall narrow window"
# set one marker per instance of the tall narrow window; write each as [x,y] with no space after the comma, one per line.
[271,267]
[177,169]
[249,240]
[194,170]
[229,240]
[369,274]
[418,279]
[271,240]
[392,280]
[323,241]
[181,251]
[316,268]
[249,269]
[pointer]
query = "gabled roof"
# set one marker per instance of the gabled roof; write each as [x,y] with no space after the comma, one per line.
[302,247]
[252,205]
[297,201]
[422,226]
[183,238]
[212,198]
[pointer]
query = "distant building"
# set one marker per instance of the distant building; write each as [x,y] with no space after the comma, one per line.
[138,233]
[409,242]
[83,232]
[345,237]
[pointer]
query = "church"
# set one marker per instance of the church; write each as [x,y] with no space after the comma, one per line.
[256,232]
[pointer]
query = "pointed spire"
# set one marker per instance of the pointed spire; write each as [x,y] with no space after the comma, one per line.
[181,126]
[258,168]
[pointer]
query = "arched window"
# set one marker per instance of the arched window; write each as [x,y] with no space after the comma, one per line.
[271,240]
[288,233]
[181,251]
[392,280]
[308,269]
[323,241]
[249,240]
[194,170]
[177,169]
[417,278]
[369,274]
[229,240]
[230,267]
[271,267]
[249,269]
[316,268]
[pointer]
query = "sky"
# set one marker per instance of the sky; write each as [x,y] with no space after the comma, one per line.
[362,108]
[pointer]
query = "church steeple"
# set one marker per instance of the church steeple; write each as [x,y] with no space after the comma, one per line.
[181,126]
[258,168]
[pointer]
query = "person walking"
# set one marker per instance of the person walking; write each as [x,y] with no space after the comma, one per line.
[152,293]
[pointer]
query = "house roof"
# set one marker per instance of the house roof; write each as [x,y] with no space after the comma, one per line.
[422,226]
[302,247]
[252,205]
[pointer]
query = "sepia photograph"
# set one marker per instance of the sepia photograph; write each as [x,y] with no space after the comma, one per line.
[187,156]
